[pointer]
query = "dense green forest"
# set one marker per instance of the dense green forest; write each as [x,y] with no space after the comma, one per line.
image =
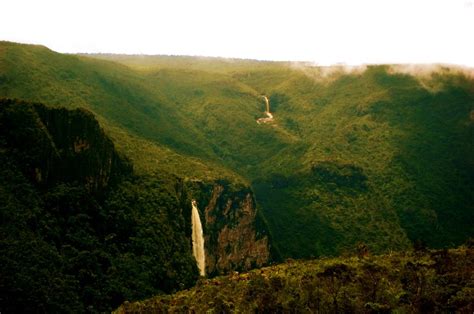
[80,232]
[379,155]
[375,154]
[421,281]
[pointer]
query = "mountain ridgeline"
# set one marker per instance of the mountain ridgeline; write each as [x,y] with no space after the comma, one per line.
[380,155]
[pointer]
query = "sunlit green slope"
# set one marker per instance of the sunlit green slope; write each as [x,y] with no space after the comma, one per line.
[377,155]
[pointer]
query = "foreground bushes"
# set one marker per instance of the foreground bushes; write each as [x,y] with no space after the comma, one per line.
[420,281]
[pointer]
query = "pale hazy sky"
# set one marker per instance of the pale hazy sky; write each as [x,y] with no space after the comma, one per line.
[325,32]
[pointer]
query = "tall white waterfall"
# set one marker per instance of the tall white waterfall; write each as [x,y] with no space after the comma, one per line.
[198,240]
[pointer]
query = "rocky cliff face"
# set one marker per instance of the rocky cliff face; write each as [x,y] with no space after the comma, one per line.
[235,236]
[59,145]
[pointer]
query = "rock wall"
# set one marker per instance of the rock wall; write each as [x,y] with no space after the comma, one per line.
[236,238]
[59,145]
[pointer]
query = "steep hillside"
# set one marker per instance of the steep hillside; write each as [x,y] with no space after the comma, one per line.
[412,282]
[67,232]
[380,154]
[130,108]
[81,232]
[380,151]
[376,155]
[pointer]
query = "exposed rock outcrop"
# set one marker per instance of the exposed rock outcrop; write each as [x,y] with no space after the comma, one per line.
[60,145]
[236,238]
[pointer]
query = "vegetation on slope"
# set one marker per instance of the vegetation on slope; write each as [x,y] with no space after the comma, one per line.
[132,110]
[379,155]
[375,155]
[382,152]
[414,282]
[79,232]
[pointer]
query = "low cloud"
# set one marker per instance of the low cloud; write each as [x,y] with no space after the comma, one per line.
[326,73]
[423,72]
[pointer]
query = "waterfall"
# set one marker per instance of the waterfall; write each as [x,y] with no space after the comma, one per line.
[268,104]
[198,240]
[267,112]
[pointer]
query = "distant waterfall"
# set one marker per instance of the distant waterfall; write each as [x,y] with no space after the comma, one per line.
[267,103]
[267,112]
[198,240]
